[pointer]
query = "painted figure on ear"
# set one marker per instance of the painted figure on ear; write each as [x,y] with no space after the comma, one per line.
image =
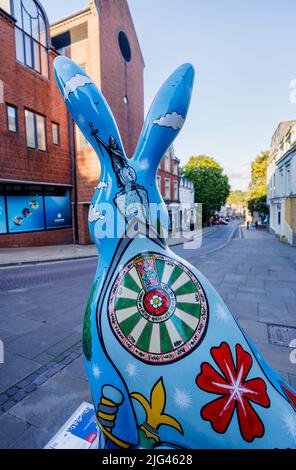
[168,366]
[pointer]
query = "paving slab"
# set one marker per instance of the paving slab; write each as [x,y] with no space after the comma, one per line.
[37,341]
[31,438]
[11,428]
[243,308]
[51,404]
[255,330]
[14,369]
[77,368]
[18,324]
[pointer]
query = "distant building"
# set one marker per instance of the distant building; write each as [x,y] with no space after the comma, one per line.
[187,205]
[281,181]
[168,183]
[48,172]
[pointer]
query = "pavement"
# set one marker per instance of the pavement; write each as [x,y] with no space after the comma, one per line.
[42,380]
[19,256]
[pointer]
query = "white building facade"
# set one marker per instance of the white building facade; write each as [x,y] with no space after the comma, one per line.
[281,182]
[187,209]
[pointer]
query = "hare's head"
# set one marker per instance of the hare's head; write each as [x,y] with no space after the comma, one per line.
[127,190]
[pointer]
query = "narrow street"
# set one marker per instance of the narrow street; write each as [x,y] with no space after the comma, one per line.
[42,380]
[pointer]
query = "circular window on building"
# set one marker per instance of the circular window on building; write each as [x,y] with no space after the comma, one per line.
[124,46]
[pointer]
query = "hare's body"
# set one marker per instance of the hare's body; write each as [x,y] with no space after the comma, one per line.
[167,363]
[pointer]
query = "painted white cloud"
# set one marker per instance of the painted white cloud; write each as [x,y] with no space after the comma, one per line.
[75,82]
[144,165]
[95,215]
[102,185]
[173,120]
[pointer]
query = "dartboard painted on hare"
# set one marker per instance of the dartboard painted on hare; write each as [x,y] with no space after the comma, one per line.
[158,309]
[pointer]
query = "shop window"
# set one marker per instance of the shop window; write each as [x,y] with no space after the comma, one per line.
[3,223]
[30,208]
[35,130]
[25,213]
[31,35]
[58,211]
[12,125]
[55,130]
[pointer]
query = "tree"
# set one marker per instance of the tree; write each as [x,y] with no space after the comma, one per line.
[238,198]
[210,184]
[258,185]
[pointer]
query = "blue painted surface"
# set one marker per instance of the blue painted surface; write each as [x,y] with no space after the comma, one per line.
[167,364]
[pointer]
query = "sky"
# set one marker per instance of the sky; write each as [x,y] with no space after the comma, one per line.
[244,57]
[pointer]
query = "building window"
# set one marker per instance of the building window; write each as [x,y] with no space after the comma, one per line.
[288,180]
[281,182]
[55,130]
[11,118]
[176,190]
[176,168]
[167,189]
[31,208]
[35,130]
[124,46]
[31,35]
[72,36]
[159,182]
[167,163]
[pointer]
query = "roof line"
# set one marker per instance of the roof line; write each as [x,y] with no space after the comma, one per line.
[69,17]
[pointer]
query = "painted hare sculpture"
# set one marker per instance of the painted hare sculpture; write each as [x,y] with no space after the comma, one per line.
[167,364]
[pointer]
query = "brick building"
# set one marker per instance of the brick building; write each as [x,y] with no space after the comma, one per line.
[47,170]
[34,140]
[102,40]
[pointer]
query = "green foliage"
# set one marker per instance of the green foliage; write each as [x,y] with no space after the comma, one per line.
[258,185]
[258,205]
[238,197]
[210,184]
[87,339]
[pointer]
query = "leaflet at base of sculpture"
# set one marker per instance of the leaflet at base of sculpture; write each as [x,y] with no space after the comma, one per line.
[167,363]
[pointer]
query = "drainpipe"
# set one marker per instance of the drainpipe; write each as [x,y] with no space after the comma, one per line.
[74,174]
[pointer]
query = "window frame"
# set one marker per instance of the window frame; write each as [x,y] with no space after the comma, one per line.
[167,163]
[8,105]
[30,40]
[53,123]
[158,182]
[176,190]
[167,187]
[35,130]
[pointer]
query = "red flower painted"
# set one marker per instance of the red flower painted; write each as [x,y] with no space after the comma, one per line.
[236,392]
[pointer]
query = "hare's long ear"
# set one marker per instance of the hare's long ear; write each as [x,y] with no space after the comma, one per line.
[87,106]
[165,118]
